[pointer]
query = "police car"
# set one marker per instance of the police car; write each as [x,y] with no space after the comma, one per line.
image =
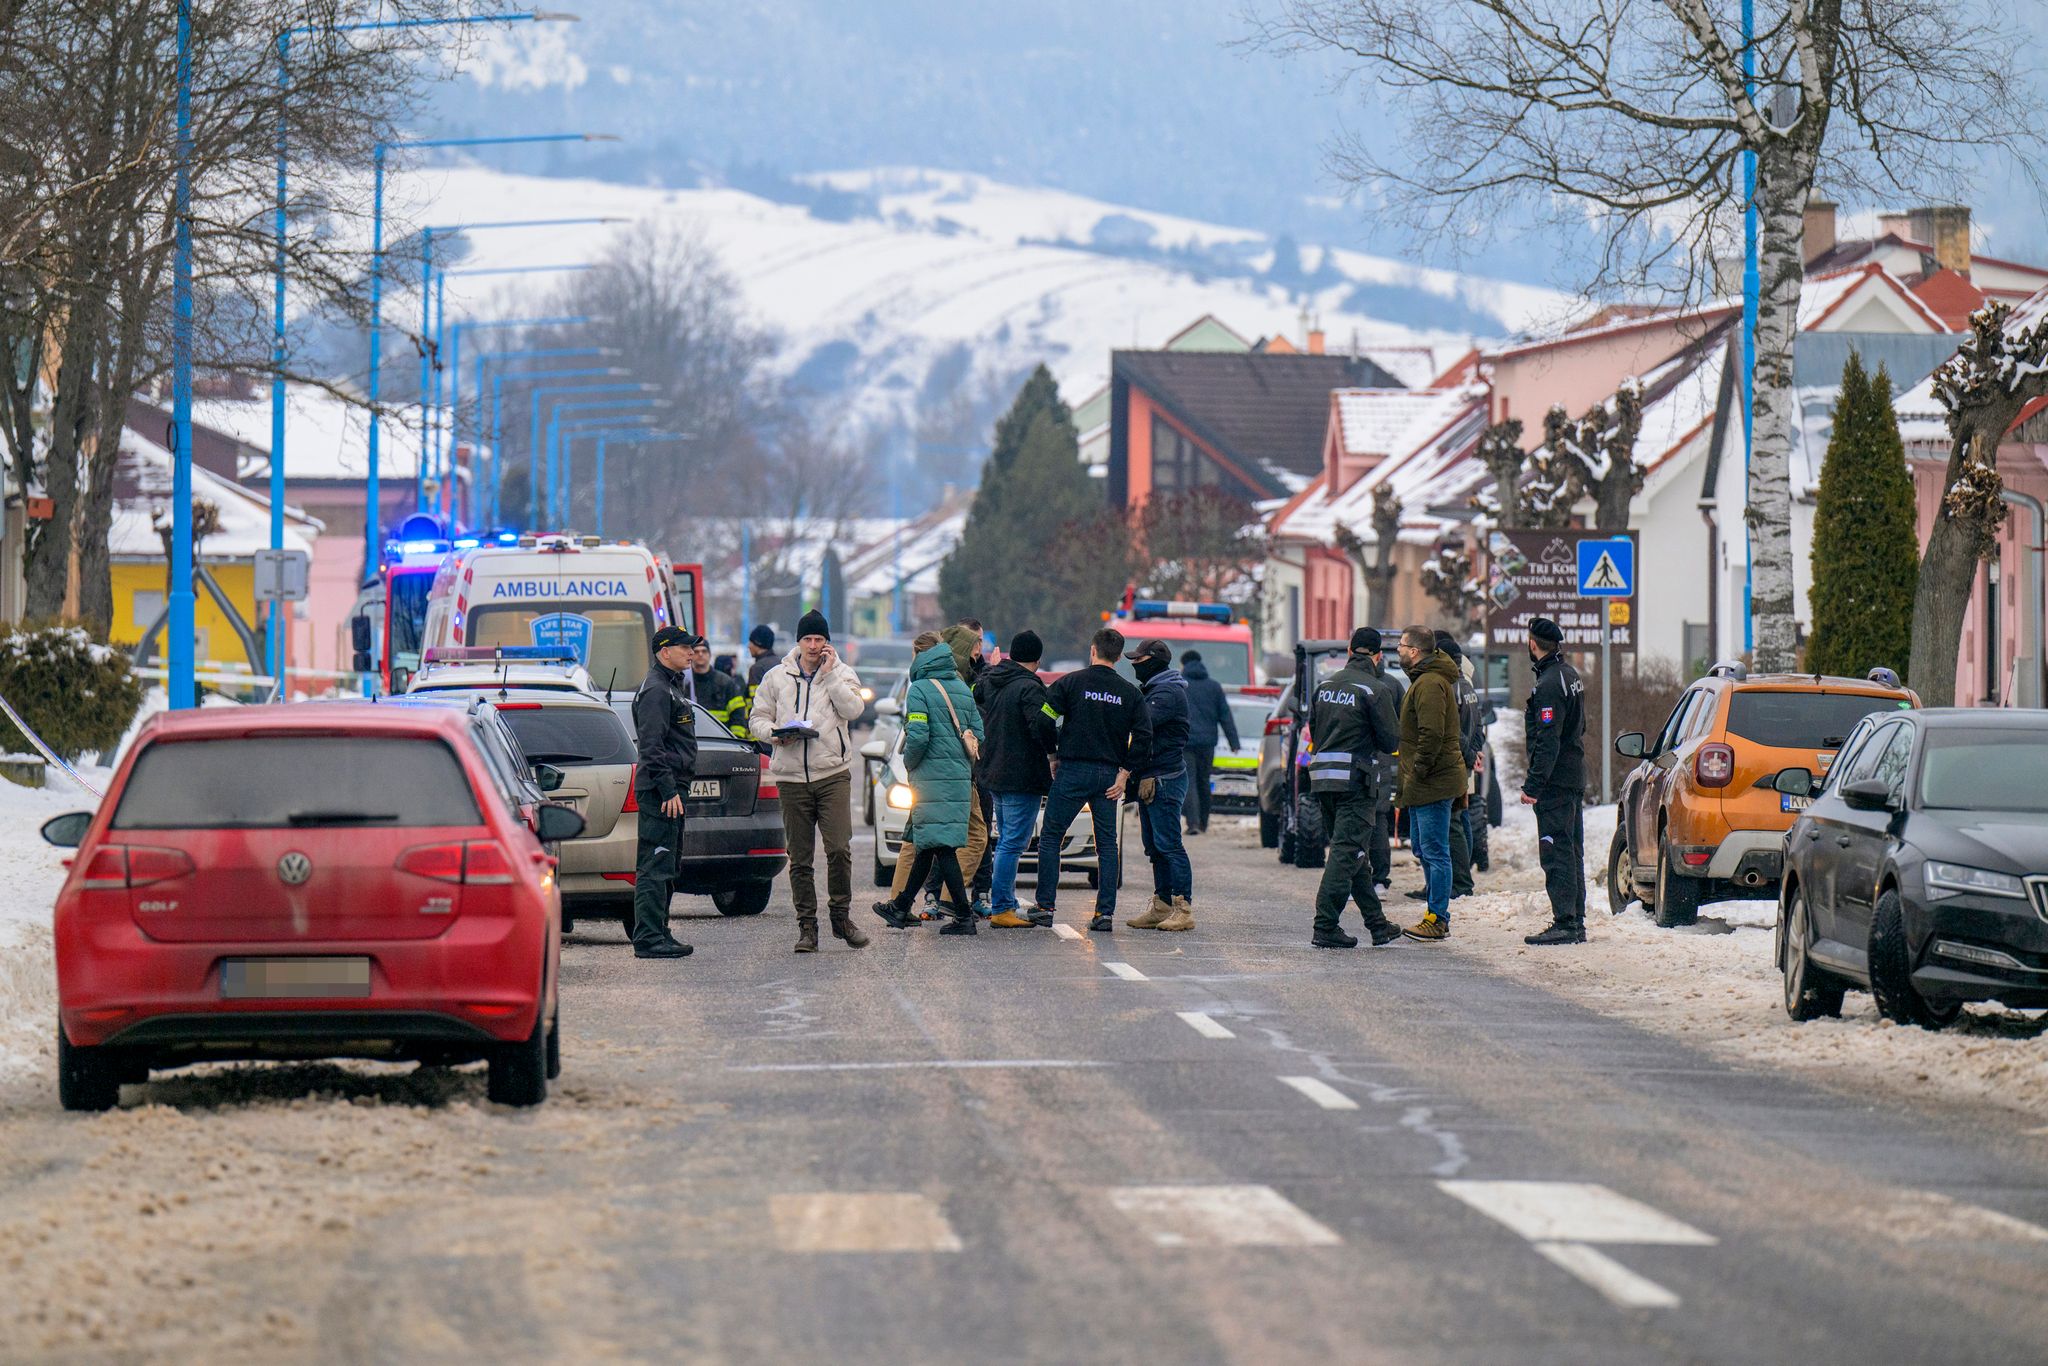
[482,667]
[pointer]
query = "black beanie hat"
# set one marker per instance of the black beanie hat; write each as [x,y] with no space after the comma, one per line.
[813,623]
[763,636]
[1448,643]
[1366,638]
[1026,647]
[1544,629]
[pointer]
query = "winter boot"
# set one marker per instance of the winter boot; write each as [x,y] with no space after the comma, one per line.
[1431,927]
[843,928]
[1154,915]
[807,935]
[1333,939]
[1012,920]
[1183,917]
[962,923]
[1384,933]
[1558,933]
[892,917]
[1102,924]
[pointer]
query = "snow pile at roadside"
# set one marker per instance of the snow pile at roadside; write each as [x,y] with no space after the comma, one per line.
[32,872]
[1717,983]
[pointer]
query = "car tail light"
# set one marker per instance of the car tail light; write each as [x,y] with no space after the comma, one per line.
[479,863]
[632,792]
[1713,765]
[1279,725]
[767,789]
[1697,858]
[117,866]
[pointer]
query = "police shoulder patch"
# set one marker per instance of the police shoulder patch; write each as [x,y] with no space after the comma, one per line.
[1547,715]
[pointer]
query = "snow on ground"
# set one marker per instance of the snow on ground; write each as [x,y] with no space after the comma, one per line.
[31,871]
[1717,985]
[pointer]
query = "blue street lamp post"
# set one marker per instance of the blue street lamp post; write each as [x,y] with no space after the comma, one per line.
[623,438]
[182,688]
[600,429]
[543,482]
[494,428]
[558,465]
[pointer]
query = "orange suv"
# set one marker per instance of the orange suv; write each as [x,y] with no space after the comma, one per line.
[1698,819]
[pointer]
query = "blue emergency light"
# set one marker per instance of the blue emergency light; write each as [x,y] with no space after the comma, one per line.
[468,543]
[496,654]
[1147,609]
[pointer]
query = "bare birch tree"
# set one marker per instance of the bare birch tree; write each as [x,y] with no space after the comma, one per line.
[1633,115]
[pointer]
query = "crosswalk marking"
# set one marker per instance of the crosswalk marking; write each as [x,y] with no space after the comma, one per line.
[882,1221]
[1321,1092]
[1609,1277]
[1220,1216]
[1574,1212]
[1205,1025]
[1127,972]
[1923,1216]
[1066,931]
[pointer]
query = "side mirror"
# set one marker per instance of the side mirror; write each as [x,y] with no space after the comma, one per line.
[1794,782]
[361,662]
[68,830]
[877,750]
[401,679]
[888,706]
[547,777]
[558,823]
[1629,745]
[359,634]
[1867,794]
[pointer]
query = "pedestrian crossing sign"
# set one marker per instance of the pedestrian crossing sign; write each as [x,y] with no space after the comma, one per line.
[1607,568]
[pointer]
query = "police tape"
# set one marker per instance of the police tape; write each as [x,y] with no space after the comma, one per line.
[49,755]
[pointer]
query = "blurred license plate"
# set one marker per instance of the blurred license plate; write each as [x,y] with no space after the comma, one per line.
[1236,787]
[702,788]
[280,978]
[1788,802]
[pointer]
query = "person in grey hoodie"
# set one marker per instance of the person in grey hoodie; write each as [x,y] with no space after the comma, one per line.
[1208,713]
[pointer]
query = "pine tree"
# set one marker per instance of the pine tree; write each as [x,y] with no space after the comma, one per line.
[1866,546]
[1014,565]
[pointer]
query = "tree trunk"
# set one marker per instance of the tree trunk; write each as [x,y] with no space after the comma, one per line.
[49,562]
[1784,175]
[1965,531]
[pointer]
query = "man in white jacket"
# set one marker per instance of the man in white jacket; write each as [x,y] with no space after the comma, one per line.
[804,706]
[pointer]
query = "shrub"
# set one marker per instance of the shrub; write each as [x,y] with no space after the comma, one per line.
[1866,540]
[76,695]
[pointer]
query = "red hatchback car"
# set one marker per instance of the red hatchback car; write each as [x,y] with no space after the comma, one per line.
[308,881]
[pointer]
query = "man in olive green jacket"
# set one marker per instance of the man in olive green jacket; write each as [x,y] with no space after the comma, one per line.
[1433,773]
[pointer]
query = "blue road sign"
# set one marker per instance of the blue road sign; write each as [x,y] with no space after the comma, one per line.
[1607,569]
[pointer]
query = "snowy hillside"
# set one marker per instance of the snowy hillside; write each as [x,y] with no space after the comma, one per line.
[916,285]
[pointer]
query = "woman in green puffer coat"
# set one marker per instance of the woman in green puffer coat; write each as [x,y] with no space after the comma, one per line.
[936,712]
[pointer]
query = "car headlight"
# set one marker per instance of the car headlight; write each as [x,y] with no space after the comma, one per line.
[867,694]
[900,796]
[1954,879]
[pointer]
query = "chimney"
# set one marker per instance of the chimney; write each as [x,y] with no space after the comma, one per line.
[1315,341]
[1951,233]
[1894,224]
[1820,228]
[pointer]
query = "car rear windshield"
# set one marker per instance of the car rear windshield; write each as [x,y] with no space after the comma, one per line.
[1985,770]
[569,735]
[281,781]
[612,640]
[1801,720]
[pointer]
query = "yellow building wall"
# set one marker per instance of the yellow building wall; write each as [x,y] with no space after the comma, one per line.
[139,593]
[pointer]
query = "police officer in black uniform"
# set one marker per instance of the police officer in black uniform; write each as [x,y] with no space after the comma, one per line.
[665,727]
[1555,722]
[1353,724]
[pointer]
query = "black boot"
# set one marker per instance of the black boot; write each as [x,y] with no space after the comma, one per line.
[961,923]
[807,935]
[843,928]
[1384,933]
[895,917]
[1333,939]
[1558,933]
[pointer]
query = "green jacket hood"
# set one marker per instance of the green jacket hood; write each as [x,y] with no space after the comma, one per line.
[1442,665]
[962,641]
[935,663]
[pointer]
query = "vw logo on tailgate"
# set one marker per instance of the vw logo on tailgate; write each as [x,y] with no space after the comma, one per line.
[294,868]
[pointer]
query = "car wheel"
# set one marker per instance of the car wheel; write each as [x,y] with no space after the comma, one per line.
[518,1072]
[87,1078]
[1621,874]
[867,800]
[1891,970]
[1308,832]
[1269,829]
[555,1045]
[1811,991]
[1678,898]
[745,898]
[568,921]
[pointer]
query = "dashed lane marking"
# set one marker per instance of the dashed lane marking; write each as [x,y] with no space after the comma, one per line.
[1220,1216]
[1574,1212]
[1205,1025]
[1609,1277]
[1127,972]
[961,1064]
[1066,931]
[892,1221]
[1321,1092]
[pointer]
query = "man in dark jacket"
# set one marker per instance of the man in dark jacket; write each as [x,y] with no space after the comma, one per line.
[1555,723]
[1470,737]
[1014,767]
[665,728]
[1353,723]
[1386,769]
[1162,783]
[718,693]
[1208,712]
[1105,735]
[760,645]
[1433,770]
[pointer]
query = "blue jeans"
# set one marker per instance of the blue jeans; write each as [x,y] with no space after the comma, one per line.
[1076,785]
[1015,812]
[1429,831]
[1159,825]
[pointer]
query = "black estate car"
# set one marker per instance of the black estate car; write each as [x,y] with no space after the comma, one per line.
[1920,871]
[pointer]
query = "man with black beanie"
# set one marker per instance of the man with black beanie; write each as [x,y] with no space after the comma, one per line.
[1162,783]
[1555,724]
[1387,689]
[665,728]
[760,645]
[1017,738]
[1354,724]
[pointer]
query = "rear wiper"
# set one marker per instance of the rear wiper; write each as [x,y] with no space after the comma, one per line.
[339,817]
[542,757]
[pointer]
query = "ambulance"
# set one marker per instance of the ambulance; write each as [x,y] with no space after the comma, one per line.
[1225,642]
[600,600]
